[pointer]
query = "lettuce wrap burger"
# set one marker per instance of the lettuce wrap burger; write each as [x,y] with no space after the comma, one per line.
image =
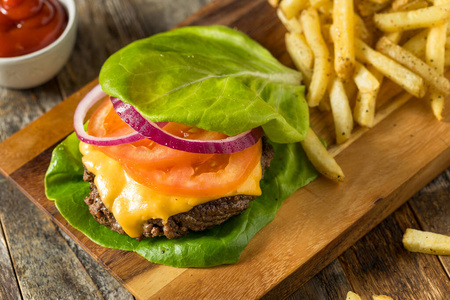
[191,152]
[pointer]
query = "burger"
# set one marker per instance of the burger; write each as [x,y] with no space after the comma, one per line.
[144,189]
[192,150]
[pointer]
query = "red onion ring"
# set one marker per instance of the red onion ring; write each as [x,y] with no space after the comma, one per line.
[152,131]
[148,129]
[83,107]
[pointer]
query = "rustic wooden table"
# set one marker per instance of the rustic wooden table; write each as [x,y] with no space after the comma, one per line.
[37,259]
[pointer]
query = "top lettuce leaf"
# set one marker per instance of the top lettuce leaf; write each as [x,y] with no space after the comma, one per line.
[215,78]
[212,77]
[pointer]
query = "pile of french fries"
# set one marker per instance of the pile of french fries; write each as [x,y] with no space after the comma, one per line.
[354,52]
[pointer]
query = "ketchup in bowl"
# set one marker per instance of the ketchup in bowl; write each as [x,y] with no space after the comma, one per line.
[29,25]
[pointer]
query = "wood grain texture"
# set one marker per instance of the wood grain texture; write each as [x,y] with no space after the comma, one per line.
[432,206]
[330,283]
[264,265]
[8,282]
[61,272]
[378,264]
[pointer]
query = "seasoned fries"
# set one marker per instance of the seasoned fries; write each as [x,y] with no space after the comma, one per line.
[320,158]
[361,30]
[435,57]
[352,296]
[368,83]
[345,48]
[343,37]
[340,108]
[431,75]
[301,54]
[420,18]
[381,297]
[408,80]
[426,242]
[291,8]
[322,60]
[365,81]
[292,25]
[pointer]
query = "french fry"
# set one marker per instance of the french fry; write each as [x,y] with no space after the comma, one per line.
[325,9]
[396,4]
[408,80]
[274,3]
[320,158]
[435,57]
[365,81]
[361,30]
[394,37]
[352,296]
[420,18]
[418,66]
[368,8]
[322,61]
[435,46]
[351,89]
[326,34]
[413,5]
[381,297]
[380,1]
[301,54]
[343,37]
[292,8]
[426,242]
[292,25]
[341,111]
[319,3]
[416,44]
[364,109]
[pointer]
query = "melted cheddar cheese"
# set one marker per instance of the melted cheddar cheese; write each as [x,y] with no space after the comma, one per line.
[132,203]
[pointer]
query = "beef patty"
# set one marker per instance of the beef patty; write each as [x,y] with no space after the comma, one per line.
[200,217]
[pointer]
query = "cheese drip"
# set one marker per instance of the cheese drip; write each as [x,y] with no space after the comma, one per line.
[132,203]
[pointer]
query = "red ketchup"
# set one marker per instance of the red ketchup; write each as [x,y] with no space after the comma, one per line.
[29,25]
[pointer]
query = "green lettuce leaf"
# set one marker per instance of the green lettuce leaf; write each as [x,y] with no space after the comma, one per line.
[289,170]
[212,77]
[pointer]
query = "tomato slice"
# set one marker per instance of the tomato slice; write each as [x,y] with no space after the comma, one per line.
[106,123]
[216,176]
[172,171]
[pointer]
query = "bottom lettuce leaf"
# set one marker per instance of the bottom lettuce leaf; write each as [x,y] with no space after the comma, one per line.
[289,170]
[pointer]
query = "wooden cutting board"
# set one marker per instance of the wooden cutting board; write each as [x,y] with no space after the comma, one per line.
[383,168]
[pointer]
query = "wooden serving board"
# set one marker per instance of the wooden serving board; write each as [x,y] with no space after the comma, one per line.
[383,168]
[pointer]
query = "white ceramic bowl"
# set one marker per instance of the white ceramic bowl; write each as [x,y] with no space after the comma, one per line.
[36,68]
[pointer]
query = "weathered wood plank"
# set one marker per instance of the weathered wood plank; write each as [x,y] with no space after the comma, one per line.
[157,16]
[330,283]
[17,109]
[431,207]
[378,264]
[8,282]
[43,132]
[108,286]
[45,266]
[103,28]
